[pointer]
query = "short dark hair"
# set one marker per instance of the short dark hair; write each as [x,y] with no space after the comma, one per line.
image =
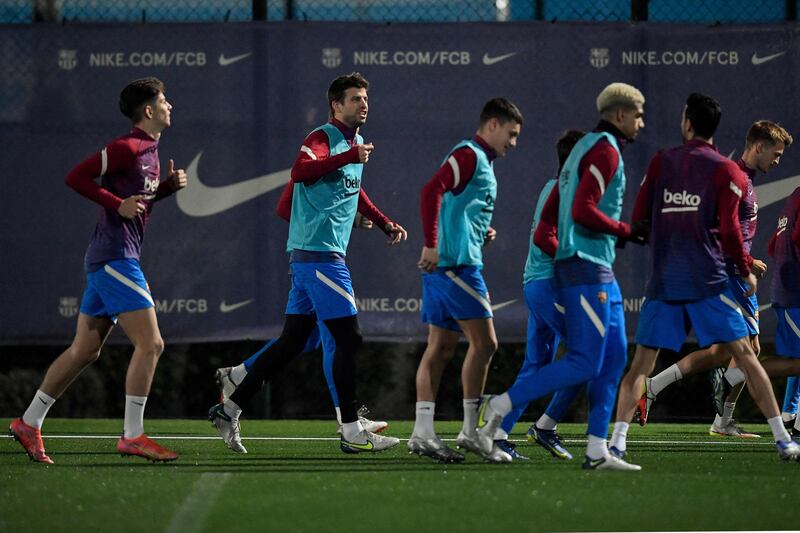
[704,113]
[340,85]
[501,109]
[136,94]
[566,143]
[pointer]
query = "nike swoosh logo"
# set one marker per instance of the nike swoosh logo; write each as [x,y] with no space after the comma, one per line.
[225,61]
[44,402]
[200,200]
[733,152]
[145,167]
[761,60]
[366,447]
[770,193]
[503,304]
[764,307]
[489,60]
[138,403]
[225,308]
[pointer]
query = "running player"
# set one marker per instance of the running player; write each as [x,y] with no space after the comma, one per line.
[691,196]
[327,177]
[764,146]
[116,289]
[784,247]
[545,320]
[228,378]
[457,205]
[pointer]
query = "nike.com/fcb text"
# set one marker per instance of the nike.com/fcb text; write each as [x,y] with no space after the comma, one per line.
[680,57]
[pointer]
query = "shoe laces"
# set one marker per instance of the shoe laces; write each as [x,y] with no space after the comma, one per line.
[363,411]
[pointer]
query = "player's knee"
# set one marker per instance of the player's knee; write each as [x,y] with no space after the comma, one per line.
[84,356]
[486,347]
[351,341]
[152,347]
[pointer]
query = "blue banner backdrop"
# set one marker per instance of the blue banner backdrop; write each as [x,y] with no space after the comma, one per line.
[244,97]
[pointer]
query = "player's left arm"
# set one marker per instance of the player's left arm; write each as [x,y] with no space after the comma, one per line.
[395,231]
[597,169]
[545,236]
[731,186]
[176,180]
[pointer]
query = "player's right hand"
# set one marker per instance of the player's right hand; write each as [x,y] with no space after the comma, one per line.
[751,280]
[132,206]
[759,268]
[363,151]
[428,260]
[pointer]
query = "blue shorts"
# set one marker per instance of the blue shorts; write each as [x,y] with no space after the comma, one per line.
[115,288]
[323,289]
[543,309]
[715,319]
[787,333]
[748,304]
[454,293]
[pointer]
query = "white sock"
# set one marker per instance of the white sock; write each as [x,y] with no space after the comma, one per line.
[727,412]
[423,422]
[665,379]
[500,434]
[796,424]
[620,435]
[778,431]
[734,376]
[338,415]
[351,430]
[231,409]
[546,423]
[37,410]
[238,373]
[501,404]
[134,416]
[596,448]
[470,415]
[788,417]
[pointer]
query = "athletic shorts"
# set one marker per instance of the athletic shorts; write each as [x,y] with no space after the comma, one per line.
[321,288]
[116,287]
[454,293]
[748,304]
[787,333]
[715,319]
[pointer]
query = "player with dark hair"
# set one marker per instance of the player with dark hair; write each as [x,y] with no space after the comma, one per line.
[545,321]
[691,195]
[228,378]
[764,145]
[327,194]
[457,205]
[591,187]
[116,289]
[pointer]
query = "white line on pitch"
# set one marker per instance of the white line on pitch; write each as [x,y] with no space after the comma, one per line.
[192,513]
[749,442]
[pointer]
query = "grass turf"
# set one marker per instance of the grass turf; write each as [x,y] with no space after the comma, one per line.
[689,481]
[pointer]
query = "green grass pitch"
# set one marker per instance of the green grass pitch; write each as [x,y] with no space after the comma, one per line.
[689,481]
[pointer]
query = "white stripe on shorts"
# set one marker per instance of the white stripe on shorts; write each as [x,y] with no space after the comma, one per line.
[730,303]
[117,275]
[601,329]
[791,323]
[559,308]
[469,290]
[332,284]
